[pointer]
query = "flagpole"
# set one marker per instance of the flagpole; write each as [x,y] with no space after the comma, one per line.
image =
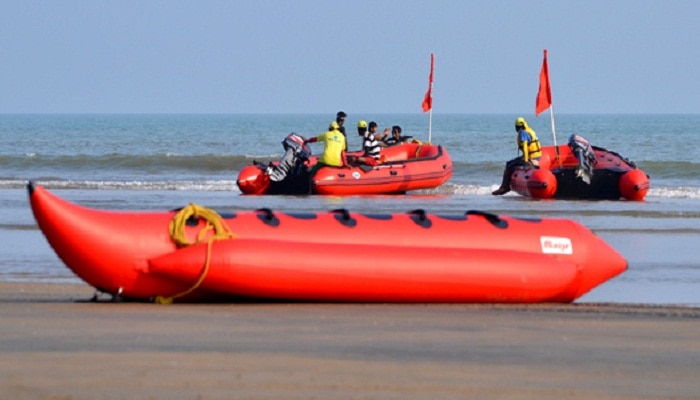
[554,130]
[430,118]
[430,125]
[554,135]
[428,99]
[544,101]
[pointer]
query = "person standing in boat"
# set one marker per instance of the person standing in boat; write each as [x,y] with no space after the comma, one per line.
[334,148]
[370,145]
[340,120]
[530,147]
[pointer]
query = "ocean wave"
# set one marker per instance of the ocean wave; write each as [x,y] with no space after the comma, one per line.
[680,192]
[191,185]
[471,176]
[459,189]
[147,162]
[670,192]
[670,169]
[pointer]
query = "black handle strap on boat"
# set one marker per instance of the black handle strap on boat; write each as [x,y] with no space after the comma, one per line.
[267,216]
[343,216]
[420,217]
[494,219]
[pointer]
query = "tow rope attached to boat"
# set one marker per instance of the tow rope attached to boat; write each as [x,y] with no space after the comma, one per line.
[214,222]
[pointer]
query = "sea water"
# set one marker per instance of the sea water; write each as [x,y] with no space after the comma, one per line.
[160,162]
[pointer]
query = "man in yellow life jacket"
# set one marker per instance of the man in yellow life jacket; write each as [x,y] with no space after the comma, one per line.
[334,148]
[529,145]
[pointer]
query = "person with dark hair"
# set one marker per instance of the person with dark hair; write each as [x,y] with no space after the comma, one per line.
[340,120]
[395,137]
[373,130]
[529,145]
[370,145]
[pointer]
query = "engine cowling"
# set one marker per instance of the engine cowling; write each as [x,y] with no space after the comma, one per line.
[253,180]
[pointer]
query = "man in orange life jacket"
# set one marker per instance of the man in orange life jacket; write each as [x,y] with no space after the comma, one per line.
[529,145]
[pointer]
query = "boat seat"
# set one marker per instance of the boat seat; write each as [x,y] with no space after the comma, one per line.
[427,152]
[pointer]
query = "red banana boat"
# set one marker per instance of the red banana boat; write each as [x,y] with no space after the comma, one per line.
[326,256]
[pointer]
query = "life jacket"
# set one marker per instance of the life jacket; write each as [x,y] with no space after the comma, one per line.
[370,145]
[334,142]
[534,150]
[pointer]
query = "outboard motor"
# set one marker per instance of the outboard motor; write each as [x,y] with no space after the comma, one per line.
[585,155]
[288,176]
[296,153]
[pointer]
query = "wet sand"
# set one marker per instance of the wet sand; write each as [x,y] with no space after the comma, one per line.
[54,344]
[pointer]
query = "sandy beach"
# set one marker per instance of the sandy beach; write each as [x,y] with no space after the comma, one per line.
[56,344]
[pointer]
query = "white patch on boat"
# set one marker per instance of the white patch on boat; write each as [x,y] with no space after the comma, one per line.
[556,245]
[356,175]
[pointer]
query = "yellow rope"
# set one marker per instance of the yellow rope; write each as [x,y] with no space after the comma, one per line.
[420,146]
[178,235]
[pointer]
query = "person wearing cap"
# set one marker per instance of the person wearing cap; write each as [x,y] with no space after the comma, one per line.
[340,120]
[370,145]
[334,148]
[529,145]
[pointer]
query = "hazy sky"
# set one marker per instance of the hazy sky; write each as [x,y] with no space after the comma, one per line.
[302,56]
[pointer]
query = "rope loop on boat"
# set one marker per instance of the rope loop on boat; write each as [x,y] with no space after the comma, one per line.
[418,148]
[214,222]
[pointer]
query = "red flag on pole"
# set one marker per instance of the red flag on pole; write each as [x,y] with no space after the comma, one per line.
[544,95]
[428,99]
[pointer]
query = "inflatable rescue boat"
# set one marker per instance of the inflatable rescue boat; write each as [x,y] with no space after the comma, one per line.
[197,254]
[581,171]
[404,167]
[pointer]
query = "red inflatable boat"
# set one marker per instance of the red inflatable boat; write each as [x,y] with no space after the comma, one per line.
[196,254]
[581,171]
[404,167]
